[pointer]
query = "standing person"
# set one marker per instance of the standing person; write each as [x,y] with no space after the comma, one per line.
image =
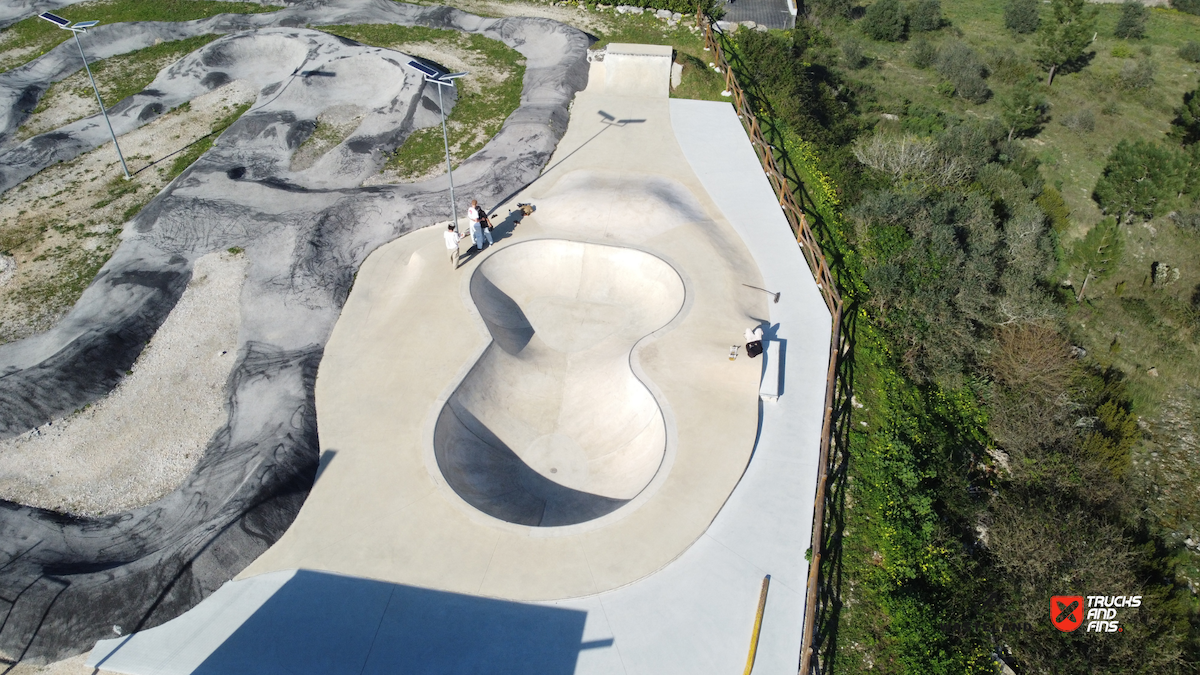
[452,239]
[479,225]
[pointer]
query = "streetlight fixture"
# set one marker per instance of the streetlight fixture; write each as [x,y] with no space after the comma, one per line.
[77,28]
[442,80]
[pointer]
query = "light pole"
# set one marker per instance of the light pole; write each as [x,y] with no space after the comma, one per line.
[442,80]
[76,29]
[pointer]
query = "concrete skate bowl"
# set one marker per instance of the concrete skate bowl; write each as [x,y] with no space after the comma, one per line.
[552,426]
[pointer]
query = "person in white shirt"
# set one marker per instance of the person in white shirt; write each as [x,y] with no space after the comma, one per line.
[479,228]
[452,239]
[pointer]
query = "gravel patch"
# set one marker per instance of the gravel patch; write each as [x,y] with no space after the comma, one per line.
[71,666]
[142,441]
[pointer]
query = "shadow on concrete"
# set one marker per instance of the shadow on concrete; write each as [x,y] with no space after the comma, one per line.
[607,120]
[327,623]
[327,458]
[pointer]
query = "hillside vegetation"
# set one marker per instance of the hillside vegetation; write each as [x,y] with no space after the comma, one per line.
[1015,226]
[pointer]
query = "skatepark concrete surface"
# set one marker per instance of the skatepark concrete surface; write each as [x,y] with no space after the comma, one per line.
[440,536]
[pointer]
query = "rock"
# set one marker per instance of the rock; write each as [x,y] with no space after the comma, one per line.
[1162,274]
[1078,352]
[748,24]
[663,13]
[761,29]
[1153,372]
[8,268]
[726,26]
[676,16]
[676,74]
[890,116]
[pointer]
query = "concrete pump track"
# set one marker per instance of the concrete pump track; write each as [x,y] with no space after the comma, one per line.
[64,580]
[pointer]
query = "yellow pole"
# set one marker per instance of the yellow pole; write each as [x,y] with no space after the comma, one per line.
[762,605]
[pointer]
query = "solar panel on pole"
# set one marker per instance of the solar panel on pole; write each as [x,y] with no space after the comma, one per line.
[428,71]
[54,18]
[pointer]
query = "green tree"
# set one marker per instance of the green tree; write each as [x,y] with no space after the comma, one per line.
[1021,16]
[1132,24]
[1141,179]
[1186,125]
[1024,109]
[925,16]
[1097,254]
[1064,41]
[884,21]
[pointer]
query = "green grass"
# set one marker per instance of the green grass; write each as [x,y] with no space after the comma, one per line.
[480,110]
[698,80]
[76,269]
[33,37]
[1071,159]
[201,146]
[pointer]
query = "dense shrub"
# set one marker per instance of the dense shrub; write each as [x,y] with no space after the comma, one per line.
[855,55]
[1136,75]
[1190,51]
[922,54]
[829,8]
[1021,16]
[1189,6]
[1009,68]
[1080,121]
[925,16]
[961,65]
[804,95]
[884,21]
[1132,24]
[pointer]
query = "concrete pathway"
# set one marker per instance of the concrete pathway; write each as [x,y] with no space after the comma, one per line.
[691,614]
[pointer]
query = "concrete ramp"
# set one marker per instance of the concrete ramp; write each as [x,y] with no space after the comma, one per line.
[551,427]
[638,70]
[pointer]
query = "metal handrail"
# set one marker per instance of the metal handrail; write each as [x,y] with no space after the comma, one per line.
[819,267]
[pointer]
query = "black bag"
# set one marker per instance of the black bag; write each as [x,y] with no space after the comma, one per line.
[754,348]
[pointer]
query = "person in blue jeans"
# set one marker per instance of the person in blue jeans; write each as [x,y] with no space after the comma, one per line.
[479,225]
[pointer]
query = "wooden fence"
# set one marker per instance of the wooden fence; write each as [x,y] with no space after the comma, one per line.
[798,221]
